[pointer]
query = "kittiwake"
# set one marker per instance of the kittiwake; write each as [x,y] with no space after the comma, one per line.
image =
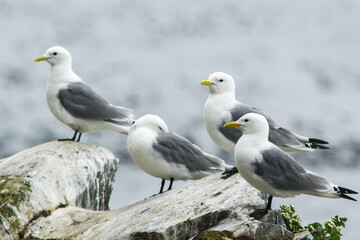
[221,107]
[269,169]
[76,104]
[166,155]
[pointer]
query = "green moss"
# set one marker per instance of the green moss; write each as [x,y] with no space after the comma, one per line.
[330,230]
[13,190]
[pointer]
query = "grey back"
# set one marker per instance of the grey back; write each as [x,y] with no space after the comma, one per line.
[283,172]
[176,149]
[277,135]
[82,102]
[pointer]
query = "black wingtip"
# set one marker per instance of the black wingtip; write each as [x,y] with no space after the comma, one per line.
[318,146]
[318,141]
[343,191]
[346,191]
[347,197]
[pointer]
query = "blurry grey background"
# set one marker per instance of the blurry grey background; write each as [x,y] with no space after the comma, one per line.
[299,61]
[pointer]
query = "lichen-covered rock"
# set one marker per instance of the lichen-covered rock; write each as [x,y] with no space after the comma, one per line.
[303,236]
[199,209]
[37,181]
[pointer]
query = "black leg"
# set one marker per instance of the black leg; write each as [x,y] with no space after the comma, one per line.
[171,182]
[268,206]
[162,186]
[78,140]
[70,139]
[74,137]
[260,213]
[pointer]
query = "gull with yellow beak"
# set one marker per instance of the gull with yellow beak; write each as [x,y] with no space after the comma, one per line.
[76,104]
[221,107]
[269,169]
[167,155]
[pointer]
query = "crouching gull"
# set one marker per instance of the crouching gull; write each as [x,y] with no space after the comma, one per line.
[269,169]
[168,156]
[221,107]
[76,104]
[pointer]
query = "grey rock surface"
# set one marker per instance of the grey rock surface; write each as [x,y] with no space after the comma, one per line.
[303,236]
[61,190]
[209,204]
[54,175]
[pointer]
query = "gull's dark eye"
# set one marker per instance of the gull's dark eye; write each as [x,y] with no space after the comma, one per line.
[133,122]
[246,120]
[54,53]
[221,80]
[160,128]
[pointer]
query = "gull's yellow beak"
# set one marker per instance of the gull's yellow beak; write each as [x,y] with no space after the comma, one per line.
[41,58]
[206,82]
[232,124]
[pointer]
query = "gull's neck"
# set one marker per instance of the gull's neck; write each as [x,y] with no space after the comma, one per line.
[226,96]
[62,73]
[253,139]
[63,67]
[256,135]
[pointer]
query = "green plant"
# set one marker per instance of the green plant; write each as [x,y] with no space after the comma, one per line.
[329,231]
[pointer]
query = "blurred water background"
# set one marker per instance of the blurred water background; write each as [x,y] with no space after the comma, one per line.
[297,60]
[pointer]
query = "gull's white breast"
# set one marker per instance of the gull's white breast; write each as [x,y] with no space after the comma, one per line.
[216,111]
[59,79]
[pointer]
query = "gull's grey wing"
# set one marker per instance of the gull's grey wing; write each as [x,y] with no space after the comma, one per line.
[82,102]
[239,110]
[283,172]
[277,135]
[282,137]
[176,149]
[290,140]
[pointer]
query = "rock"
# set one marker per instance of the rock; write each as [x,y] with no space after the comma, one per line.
[51,176]
[303,236]
[209,206]
[59,190]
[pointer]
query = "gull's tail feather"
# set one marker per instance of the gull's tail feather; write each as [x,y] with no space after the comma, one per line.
[119,126]
[124,114]
[341,192]
[123,120]
[217,164]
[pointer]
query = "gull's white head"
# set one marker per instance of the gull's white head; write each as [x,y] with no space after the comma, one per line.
[220,82]
[251,123]
[56,56]
[151,122]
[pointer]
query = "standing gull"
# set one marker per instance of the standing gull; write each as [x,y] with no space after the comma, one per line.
[168,156]
[269,169]
[76,104]
[221,107]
